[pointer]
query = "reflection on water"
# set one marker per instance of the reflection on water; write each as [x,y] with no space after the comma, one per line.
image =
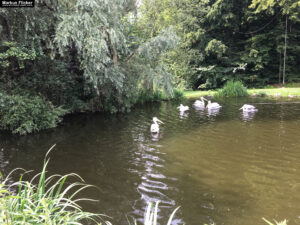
[183,114]
[210,162]
[3,161]
[155,136]
[213,112]
[247,116]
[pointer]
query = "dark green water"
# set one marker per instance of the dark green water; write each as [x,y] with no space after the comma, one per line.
[222,167]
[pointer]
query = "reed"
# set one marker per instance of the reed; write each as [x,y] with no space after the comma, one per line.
[44,200]
[232,89]
[150,217]
[284,222]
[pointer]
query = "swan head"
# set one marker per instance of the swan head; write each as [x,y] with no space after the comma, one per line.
[156,120]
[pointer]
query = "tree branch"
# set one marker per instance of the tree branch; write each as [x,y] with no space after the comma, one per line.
[114,50]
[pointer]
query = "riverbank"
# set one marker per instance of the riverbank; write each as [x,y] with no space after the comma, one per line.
[275,92]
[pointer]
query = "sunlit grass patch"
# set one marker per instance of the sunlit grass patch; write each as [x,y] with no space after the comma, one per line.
[273,92]
[277,92]
[197,94]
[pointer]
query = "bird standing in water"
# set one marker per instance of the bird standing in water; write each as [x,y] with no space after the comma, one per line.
[155,126]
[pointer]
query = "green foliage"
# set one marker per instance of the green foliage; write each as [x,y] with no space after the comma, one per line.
[232,89]
[289,7]
[81,56]
[147,96]
[99,55]
[158,95]
[292,85]
[223,40]
[215,47]
[24,114]
[261,94]
[50,201]
[106,57]
[178,94]
[14,53]
[269,86]
[53,79]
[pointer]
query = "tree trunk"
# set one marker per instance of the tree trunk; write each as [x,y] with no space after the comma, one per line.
[279,74]
[284,56]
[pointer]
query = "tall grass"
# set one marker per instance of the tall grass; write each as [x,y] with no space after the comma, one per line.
[150,217]
[284,222]
[43,200]
[232,89]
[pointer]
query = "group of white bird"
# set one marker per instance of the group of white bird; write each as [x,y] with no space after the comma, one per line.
[200,104]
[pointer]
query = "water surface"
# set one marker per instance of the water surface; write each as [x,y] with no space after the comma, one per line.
[222,166]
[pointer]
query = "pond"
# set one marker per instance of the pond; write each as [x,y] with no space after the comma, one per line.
[224,167]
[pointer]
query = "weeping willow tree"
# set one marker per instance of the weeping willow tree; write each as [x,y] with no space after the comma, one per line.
[115,65]
[78,55]
[96,36]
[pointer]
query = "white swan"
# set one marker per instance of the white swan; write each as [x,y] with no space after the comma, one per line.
[248,108]
[213,105]
[200,103]
[155,126]
[183,108]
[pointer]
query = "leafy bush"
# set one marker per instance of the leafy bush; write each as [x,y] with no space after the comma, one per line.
[14,55]
[24,114]
[47,202]
[261,94]
[157,95]
[269,86]
[292,85]
[233,89]
[178,94]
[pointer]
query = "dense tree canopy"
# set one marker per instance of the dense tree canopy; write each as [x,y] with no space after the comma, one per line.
[88,44]
[225,39]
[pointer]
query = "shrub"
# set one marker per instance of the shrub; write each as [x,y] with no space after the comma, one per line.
[157,95]
[261,94]
[47,202]
[178,94]
[269,86]
[233,89]
[24,114]
[292,85]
